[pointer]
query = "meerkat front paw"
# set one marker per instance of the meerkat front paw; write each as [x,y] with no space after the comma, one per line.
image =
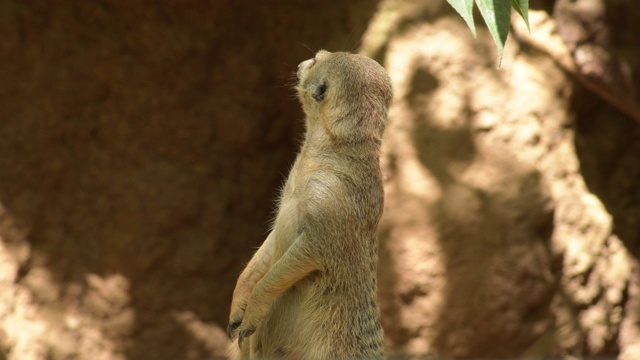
[252,319]
[232,326]
[235,319]
[245,334]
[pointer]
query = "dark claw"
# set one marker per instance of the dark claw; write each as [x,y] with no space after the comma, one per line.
[243,334]
[232,327]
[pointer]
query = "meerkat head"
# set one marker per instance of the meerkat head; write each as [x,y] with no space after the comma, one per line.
[347,94]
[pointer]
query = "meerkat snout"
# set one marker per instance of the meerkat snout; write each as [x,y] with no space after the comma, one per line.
[304,66]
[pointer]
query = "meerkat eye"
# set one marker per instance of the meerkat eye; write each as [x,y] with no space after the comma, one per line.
[319,92]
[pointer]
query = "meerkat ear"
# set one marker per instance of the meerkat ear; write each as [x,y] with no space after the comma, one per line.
[319,92]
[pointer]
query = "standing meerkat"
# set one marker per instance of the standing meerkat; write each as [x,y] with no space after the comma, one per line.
[310,291]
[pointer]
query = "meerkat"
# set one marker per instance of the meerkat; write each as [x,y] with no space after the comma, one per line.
[310,291]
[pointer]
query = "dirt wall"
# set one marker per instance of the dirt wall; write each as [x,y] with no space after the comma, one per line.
[142,147]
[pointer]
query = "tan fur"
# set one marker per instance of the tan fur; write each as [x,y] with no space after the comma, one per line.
[309,292]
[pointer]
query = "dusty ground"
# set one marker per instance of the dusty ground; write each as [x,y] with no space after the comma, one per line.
[142,148]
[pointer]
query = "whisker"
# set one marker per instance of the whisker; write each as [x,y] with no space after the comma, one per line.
[307,47]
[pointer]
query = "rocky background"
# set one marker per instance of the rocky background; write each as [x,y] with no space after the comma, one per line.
[142,146]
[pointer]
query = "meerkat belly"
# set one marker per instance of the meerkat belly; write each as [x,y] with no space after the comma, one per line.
[287,327]
[316,320]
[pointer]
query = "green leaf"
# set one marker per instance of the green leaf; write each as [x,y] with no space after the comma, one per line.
[465,9]
[522,7]
[497,15]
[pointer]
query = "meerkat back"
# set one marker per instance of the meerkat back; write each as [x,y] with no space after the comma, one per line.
[310,291]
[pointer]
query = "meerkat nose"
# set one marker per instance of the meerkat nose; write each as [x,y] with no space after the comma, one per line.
[304,66]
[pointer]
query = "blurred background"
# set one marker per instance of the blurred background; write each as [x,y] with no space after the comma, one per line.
[142,146]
